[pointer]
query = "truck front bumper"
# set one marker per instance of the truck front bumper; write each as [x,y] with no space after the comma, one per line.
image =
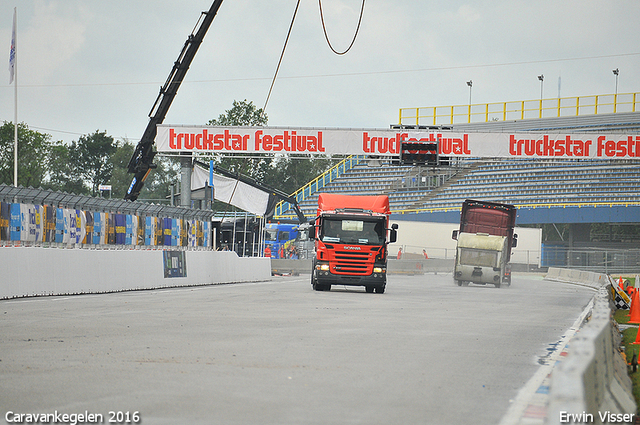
[481,275]
[375,280]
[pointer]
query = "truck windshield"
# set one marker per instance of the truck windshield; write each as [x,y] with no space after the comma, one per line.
[478,257]
[271,234]
[353,231]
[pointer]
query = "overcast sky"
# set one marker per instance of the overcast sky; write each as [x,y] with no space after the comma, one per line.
[87,65]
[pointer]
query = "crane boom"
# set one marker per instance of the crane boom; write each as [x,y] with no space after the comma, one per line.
[141,162]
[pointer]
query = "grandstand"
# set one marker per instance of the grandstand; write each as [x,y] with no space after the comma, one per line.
[522,182]
[519,182]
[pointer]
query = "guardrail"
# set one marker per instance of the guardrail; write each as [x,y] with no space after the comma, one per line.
[520,110]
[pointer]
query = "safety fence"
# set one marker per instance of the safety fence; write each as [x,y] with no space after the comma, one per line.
[520,110]
[37,217]
[600,260]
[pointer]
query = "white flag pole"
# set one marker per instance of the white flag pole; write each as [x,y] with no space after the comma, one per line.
[13,63]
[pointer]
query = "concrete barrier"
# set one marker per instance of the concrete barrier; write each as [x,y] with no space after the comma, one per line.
[420,266]
[294,267]
[577,277]
[591,384]
[33,271]
[417,266]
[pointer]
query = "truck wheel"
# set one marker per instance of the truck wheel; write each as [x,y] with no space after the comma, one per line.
[369,289]
[497,285]
[380,290]
[457,282]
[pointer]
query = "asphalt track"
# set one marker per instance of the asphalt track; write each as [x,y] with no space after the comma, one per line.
[425,352]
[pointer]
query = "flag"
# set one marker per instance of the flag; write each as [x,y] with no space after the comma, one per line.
[12,54]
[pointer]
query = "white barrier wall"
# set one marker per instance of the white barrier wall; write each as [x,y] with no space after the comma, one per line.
[31,271]
[577,277]
[592,382]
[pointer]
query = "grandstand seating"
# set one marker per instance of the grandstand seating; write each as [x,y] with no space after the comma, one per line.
[519,182]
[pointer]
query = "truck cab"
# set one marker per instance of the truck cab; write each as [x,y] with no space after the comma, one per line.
[351,240]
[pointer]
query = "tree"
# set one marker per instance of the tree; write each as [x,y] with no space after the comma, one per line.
[242,113]
[61,174]
[120,177]
[33,150]
[90,157]
[282,172]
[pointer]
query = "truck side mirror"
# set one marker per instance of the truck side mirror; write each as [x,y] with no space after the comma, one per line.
[312,230]
[515,241]
[454,235]
[393,233]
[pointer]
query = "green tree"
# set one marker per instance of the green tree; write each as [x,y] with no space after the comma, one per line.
[61,174]
[33,151]
[120,177]
[289,174]
[157,187]
[281,171]
[242,113]
[90,157]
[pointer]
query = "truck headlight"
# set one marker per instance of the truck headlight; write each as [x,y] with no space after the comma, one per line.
[378,270]
[323,267]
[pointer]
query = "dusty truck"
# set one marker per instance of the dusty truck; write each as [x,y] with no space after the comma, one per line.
[485,240]
[351,234]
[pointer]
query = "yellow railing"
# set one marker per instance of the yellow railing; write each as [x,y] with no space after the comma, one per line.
[519,110]
[316,184]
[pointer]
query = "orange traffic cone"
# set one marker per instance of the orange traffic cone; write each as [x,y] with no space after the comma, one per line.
[637,341]
[621,284]
[634,316]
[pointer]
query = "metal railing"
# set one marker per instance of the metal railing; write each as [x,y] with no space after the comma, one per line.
[520,110]
[28,195]
[609,261]
[528,206]
[316,184]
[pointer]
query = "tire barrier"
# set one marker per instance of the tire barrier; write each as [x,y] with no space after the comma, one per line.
[591,384]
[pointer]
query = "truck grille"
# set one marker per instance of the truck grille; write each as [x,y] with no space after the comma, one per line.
[353,263]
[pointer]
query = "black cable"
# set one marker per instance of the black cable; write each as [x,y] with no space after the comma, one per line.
[354,35]
[281,56]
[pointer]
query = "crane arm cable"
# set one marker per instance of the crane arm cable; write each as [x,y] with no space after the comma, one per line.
[281,56]
[324,28]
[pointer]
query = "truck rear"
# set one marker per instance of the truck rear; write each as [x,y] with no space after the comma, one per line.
[351,235]
[485,239]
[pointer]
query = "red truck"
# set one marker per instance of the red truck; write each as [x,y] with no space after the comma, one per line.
[485,239]
[351,235]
